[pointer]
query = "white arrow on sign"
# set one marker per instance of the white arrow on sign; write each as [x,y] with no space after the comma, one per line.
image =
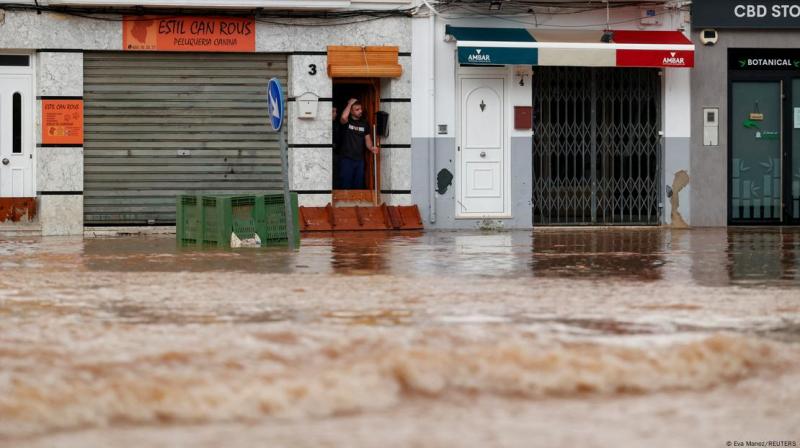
[274,104]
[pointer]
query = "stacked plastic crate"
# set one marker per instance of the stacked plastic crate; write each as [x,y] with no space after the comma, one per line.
[205,220]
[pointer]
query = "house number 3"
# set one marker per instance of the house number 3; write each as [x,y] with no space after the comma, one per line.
[312,69]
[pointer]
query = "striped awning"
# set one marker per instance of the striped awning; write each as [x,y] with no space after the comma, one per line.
[623,48]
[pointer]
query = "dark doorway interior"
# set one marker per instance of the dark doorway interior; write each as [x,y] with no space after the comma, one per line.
[365,91]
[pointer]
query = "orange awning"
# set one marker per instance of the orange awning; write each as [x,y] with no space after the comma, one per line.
[363,62]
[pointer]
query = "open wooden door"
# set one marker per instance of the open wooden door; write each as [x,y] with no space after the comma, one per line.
[366,91]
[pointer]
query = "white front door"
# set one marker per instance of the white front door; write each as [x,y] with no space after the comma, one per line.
[482,147]
[16,135]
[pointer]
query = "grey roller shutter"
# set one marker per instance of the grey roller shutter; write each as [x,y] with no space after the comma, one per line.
[162,124]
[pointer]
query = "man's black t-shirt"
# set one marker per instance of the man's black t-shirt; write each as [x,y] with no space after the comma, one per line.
[352,139]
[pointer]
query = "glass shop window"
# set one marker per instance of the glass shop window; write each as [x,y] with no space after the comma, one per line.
[16,117]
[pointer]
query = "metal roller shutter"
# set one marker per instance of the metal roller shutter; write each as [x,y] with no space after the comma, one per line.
[162,124]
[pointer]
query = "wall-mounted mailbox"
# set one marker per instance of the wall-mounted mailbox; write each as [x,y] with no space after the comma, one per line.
[710,126]
[523,117]
[307,105]
[382,123]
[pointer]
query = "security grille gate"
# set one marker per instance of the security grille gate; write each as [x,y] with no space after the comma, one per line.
[596,146]
[162,124]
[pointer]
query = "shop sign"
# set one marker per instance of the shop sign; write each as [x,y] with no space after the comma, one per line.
[497,56]
[752,123]
[765,59]
[778,14]
[62,122]
[654,58]
[187,33]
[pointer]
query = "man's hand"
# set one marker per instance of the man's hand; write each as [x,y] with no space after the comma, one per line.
[375,150]
[351,101]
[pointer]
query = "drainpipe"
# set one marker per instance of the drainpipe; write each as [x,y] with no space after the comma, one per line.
[432,109]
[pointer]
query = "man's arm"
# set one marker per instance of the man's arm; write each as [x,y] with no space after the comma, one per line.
[346,112]
[370,146]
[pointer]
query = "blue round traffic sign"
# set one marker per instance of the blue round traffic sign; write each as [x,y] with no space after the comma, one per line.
[275,103]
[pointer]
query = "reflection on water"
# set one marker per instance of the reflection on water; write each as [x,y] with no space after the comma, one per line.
[747,256]
[634,253]
[761,254]
[361,252]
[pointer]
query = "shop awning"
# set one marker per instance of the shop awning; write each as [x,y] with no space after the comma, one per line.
[504,46]
[363,62]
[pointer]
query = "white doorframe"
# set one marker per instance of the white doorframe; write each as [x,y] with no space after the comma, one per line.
[484,73]
[30,106]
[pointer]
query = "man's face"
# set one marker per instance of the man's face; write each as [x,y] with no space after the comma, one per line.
[356,111]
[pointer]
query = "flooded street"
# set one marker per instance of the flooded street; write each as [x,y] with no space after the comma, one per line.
[558,337]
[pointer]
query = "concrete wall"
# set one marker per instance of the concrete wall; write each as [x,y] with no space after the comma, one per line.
[710,89]
[59,170]
[676,97]
[58,41]
[434,104]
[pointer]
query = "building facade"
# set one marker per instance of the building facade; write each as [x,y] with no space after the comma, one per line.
[497,118]
[109,114]
[551,116]
[746,95]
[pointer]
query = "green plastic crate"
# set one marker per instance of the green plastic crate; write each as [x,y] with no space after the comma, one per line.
[188,222]
[210,220]
[245,211]
[224,215]
[273,228]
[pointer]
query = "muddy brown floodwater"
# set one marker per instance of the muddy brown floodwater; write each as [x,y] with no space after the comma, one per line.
[558,337]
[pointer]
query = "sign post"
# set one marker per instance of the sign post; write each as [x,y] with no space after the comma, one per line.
[275,109]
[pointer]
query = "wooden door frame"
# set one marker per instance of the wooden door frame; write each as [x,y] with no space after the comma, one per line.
[372,105]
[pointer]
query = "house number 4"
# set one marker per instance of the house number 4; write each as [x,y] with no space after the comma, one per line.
[312,69]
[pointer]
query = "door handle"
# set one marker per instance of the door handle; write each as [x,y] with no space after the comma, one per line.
[483,153]
[5,161]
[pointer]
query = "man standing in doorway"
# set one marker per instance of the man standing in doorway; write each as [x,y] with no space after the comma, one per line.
[355,136]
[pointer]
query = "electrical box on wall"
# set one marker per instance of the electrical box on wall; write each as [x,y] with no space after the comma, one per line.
[307,105]
[523,117]
[710,126]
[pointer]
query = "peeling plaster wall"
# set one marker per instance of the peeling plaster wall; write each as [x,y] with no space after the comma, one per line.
[521,188]
[675,145]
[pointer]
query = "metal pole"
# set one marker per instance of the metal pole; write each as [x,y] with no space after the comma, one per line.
[375,163]
[287,196]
